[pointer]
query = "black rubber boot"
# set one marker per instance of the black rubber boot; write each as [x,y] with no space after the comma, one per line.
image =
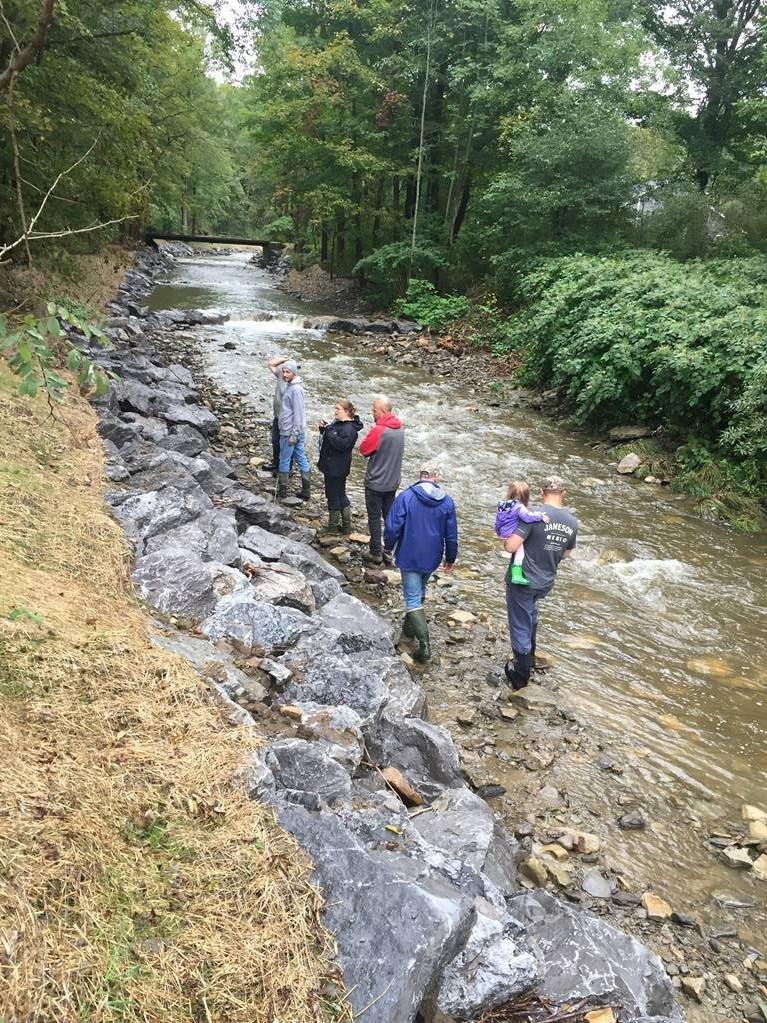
[517,672]
[346,520]
[421,632]
[306,486]
[282,484]
[334,522]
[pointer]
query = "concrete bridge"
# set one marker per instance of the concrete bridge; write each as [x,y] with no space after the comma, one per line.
[271,250]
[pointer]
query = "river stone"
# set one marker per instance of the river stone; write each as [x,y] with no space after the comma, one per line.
[629,465]
[493,968]
[212,537]
[326,590]
[624,433]
[582,957]
[184,439]
[360,628]
[178,582]
[336,730]
[146,515]
[303,767]
[254,510]
[277,584]
[271,547]
[596,885]
[463,840]
[200,418]
[395,927]
[255,625]
[327,674]
[423,751]
[211,663]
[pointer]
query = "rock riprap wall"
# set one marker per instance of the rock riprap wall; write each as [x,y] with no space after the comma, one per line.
[420,880]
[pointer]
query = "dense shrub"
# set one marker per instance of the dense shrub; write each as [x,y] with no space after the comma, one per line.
[390,268]
[424,304]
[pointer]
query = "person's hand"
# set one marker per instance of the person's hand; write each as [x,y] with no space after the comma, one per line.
[448,566]
[323,424]
[292,441]
[546,519]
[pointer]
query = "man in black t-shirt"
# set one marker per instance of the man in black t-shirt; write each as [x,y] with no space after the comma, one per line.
[546,543]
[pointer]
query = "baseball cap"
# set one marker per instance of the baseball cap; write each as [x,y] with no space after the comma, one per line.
[430,469]
[553,485]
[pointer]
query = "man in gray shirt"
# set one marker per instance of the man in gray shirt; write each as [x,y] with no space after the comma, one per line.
[275,368]
[383,446]
[546,543]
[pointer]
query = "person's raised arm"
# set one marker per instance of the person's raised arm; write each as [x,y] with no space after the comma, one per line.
[278,360]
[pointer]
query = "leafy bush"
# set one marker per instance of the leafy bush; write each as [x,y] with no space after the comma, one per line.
[36,348]
[424,304]
[391,267]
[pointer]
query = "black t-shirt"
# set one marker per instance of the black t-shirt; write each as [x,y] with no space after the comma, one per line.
[545,545]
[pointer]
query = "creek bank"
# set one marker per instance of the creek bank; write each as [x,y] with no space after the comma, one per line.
[425,902]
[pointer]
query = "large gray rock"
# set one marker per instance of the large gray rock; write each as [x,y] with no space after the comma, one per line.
[270,547]
[256,626]
[115,430]
[462,839]
[325,673]
[493,968]
[211,663]
[200,418]
[177,582]
[335,730]
[303,769]
[279,584]
[184,439]
[212,537]
[145,515]
[395,927]
[358,626]
[582,957]
[161,468]
[254,510]
[424,752]
[149,428]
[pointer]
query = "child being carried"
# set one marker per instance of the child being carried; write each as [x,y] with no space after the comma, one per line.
[508,516]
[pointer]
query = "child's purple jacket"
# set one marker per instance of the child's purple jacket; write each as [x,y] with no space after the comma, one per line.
[509,515]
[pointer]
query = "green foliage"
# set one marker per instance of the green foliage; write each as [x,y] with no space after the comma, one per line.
[390,267]
[424,304]
[36,348]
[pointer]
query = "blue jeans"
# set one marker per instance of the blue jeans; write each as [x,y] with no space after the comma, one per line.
[297,451]
[414,589]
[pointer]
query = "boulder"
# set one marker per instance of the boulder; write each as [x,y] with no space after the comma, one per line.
[256,626]
[277,584]
[211,663]
[358,625]
[115,430]
[396,928]
[270,547]
[145,515]
[200,418]
[621,434]
[184,439]
[462,839]
[326,590]
[149,428]
[336,730]
[424,752]
[253,510]
[177,582]
[303,767]
[582,957]
[493,968]
[212,537]
[629,465]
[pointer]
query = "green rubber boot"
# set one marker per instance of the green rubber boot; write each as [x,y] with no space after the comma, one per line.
[334,522]
[346,520]
[518,576]
[407,628]
[421,632]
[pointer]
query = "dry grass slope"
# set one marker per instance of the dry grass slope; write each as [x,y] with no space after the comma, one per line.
[136,882]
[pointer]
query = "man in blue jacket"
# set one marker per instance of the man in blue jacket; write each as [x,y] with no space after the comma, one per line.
[422,529]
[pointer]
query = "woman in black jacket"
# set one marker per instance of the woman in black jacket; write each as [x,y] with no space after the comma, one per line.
[337,440]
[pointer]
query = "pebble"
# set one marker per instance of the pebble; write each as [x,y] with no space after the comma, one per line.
[694,987]
[657,908]
[733,983]
[594,883]
[534,871]
[634,820]
[737,857]
[466,716]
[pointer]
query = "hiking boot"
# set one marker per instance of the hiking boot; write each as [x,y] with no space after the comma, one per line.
[346,520]
[518,576]
[282,484]
[306,486]
[420,629]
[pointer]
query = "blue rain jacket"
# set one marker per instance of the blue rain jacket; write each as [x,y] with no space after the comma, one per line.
[422,528]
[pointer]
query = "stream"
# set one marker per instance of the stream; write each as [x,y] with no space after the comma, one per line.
[657,628]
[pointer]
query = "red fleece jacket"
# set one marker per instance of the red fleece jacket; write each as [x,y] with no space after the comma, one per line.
[373,437]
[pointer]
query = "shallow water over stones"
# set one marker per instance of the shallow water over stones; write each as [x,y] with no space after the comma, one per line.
[658,630]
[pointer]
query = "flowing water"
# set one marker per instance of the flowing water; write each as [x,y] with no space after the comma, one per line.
[658,626]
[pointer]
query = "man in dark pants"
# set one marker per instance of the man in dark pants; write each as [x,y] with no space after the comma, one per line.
[546,543]
[383,446]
